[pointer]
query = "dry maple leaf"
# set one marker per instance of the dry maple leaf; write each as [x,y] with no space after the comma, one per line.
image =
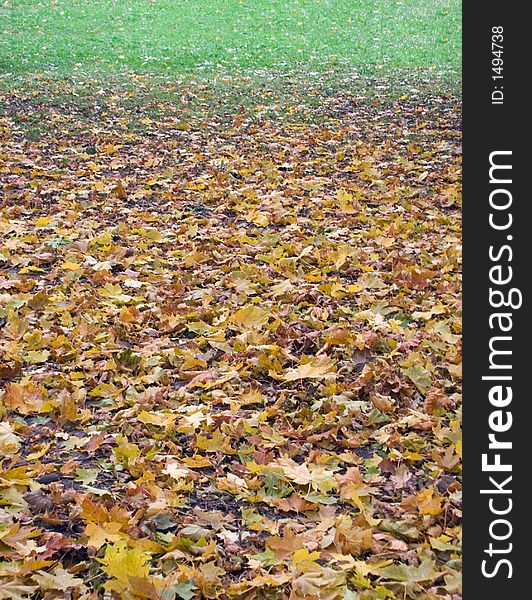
[316,368]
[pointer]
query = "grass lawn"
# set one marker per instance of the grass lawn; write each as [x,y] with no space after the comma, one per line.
[234,36]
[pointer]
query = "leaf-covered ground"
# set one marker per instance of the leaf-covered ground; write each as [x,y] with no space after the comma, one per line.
[230,352]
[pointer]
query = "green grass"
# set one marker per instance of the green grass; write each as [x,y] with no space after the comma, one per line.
[232,36]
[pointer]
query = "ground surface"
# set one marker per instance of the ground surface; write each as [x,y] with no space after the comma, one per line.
[231,354]
[230,327]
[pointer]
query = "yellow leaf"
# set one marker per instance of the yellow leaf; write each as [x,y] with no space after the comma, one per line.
[40,451]
[318,582]
[304,560]
[31,269]
[43,222]
[459,448]
[345,201]
[154,235]
[317,368]
[98,535]
[428,503]
[70,266]
[342,255]
[318,476]
[156,418]
[125,449]
[251,317]
[36,357]
[218,443]
[121,562]
[258,218]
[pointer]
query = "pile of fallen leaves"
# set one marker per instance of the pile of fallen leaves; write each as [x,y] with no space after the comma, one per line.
[230,355]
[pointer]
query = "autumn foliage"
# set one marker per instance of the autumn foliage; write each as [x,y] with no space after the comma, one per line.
[230,355]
